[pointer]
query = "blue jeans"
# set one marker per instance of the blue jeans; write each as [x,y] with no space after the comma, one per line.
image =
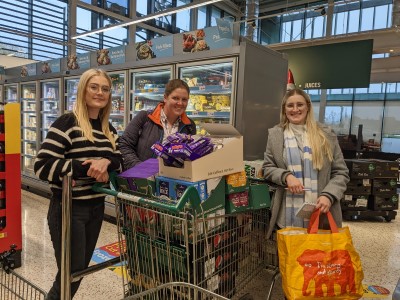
[86,220]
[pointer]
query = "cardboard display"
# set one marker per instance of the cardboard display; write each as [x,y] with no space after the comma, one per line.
[226,160]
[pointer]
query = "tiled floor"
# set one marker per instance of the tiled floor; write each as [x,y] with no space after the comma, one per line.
[377,241]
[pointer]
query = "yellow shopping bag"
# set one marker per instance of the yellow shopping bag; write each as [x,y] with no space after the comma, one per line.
[319,263]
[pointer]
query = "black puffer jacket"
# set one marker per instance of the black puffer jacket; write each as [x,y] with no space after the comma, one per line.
[143,131]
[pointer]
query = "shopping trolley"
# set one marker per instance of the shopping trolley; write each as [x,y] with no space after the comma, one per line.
[190,241]
[14,286]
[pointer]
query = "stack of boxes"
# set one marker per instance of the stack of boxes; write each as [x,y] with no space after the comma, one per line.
[372,186]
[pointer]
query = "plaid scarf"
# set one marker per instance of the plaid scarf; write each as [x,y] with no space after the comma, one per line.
[304,171]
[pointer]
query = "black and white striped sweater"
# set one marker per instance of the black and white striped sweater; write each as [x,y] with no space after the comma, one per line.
[64,146]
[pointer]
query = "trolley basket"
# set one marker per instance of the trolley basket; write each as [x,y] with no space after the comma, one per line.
[206,245]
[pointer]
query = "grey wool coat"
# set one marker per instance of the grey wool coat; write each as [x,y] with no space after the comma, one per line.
[332,178]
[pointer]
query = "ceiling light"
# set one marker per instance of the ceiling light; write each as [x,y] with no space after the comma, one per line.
[391,50]
[150,17]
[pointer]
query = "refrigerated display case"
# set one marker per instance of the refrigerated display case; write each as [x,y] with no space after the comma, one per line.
[10,93]
[71,88]
[147,88]
[211,91]
[29,126]
[118,90]
[50,102]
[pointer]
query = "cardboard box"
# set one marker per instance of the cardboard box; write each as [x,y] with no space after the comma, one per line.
[354,202]
[386,186]
[174,188]
[386,168]
[224,161]
[140,178]
[359,187]
[383,202]
[359,168]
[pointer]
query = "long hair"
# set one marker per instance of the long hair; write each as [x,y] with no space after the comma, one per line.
[81,112]
[319,143]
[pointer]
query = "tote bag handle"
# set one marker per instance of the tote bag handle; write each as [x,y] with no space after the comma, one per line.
[314,222]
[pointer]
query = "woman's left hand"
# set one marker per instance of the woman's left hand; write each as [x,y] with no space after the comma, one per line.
[98,169]
[323,203]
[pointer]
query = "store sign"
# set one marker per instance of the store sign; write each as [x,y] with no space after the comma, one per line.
[28,70]
[338,65]
[51,66]
[83,61]
[144,50]
[224,28]
[215,40]
[117,55]
[163,46]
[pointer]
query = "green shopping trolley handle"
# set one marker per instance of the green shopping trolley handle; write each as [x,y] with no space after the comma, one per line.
[190,196]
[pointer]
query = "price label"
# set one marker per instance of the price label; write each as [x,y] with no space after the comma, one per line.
[156,90]
[202,88]
[210,114]
[226,87]
[195,113]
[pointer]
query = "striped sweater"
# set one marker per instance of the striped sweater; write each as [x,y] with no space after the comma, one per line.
[65,148]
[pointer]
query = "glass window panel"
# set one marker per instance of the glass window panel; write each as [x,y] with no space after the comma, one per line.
[319,27]
[202,17]
[389,16]
[361,90]
[391,128]
[369,114]
[308,29]
[316,106]
[367,18]
[338,117]
[391,87]
[141,7]
[183,17]
[381,16]
[354,21]
[286,30]
[215,14]
[84,16]
[297,28]
[375,88]
[341,23]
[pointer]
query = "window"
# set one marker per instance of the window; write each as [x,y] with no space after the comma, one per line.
[354,21]
[202,17]
[319,27]
[141,7]
[369,114]
[380,18]
[367,17]
[338,117]
[340,23]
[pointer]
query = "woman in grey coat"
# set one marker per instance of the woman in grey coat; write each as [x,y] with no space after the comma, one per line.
[304,159]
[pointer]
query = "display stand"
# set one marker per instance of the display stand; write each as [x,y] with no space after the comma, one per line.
[11,234]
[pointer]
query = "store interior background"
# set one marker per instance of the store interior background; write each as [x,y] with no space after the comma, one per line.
[41,30]
[275,24]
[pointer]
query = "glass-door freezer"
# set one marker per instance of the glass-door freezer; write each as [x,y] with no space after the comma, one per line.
[29,125]
[117,116]
[71,88]
[50,102]
[10,93]
[147,88]
[212,91]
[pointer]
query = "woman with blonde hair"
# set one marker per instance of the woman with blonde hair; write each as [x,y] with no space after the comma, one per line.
[304,158]
[82,143]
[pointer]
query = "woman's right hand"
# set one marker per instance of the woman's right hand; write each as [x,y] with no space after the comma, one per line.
[294,185]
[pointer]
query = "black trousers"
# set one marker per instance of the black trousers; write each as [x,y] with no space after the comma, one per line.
[86,220]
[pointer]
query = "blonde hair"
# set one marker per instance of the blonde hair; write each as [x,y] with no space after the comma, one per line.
[319,143]
[81,112]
